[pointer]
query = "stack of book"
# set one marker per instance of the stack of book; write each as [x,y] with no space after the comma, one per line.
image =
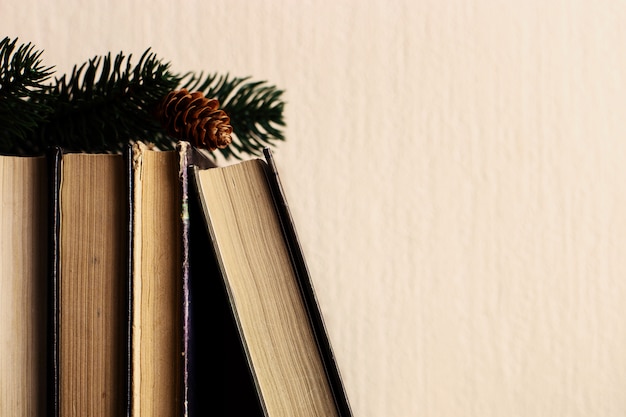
[154,283]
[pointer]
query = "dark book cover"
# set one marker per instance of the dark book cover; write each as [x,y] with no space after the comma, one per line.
[54,182]
[306,287]
[184,156]
[130,186]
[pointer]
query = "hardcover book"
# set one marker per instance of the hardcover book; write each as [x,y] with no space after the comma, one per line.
[23,229]
[88,271]
[157,282]
[259,271]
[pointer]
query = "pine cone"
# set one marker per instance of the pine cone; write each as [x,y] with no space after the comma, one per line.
[195,118]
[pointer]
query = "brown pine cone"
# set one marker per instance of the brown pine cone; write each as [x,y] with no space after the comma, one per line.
[195,118]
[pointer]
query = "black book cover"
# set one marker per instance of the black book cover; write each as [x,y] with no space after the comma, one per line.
[306,287]
[54,176]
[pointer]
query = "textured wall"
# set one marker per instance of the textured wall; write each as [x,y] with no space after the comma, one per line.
[457,170]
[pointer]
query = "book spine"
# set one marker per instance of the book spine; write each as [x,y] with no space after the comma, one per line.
[184,155]
[192,369]
[130,207]
[54,157]
[306,287]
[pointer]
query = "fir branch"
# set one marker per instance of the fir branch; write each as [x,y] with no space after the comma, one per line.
[21,77]
[106,103]
[255,109]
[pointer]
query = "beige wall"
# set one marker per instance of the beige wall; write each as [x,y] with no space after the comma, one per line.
[457,170]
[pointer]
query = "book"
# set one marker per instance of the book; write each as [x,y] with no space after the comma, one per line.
[256,265]
[23,250]
[158,281]
[88,285]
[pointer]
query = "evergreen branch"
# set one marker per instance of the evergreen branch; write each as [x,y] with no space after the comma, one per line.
[255,110]
[21,77]
[106,103]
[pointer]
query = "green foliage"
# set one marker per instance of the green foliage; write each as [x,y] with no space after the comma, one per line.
[107,102]
[21,77]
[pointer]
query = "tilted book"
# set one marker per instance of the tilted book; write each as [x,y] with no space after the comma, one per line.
[258,269]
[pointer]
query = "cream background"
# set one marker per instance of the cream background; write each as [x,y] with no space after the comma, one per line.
[457,172]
